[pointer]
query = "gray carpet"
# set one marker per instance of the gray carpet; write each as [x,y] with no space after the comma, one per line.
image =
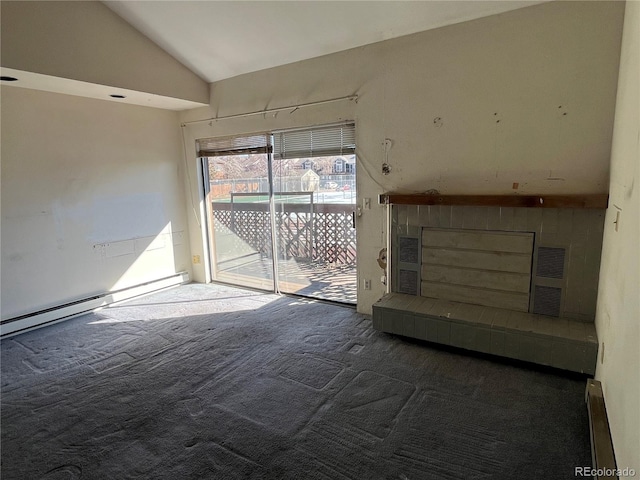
[211,382]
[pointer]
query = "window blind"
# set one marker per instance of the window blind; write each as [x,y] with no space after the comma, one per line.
[320,141]
[217,147]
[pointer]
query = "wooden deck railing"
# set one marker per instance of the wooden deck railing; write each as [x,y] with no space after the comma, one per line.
[320,232]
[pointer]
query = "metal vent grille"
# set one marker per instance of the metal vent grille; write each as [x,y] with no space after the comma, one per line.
[408,250]
[550,262]
[408,282]
[546,301]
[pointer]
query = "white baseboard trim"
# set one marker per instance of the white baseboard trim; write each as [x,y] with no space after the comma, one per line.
[25,323]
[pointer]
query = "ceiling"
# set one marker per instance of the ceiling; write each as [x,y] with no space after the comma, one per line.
[222,39]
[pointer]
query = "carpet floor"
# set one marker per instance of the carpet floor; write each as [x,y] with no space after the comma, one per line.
[213,382]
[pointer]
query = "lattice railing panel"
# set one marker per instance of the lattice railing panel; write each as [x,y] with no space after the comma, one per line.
[295,235]
[326,236]
[252,228]
[335,238]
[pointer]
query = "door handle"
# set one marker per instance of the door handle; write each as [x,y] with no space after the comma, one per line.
[353,218]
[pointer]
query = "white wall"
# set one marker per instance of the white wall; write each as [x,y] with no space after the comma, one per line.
[469,108]
[92,198]
[86,41]
[618,311]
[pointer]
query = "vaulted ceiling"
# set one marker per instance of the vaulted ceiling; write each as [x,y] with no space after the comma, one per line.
[222,39]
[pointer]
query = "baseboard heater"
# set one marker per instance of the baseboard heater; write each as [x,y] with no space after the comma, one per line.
[602,454]
[29,321]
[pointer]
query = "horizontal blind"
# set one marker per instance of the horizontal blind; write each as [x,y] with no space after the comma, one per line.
[320,141]
[217,147]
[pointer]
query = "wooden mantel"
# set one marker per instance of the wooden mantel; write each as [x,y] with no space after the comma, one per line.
[523,201]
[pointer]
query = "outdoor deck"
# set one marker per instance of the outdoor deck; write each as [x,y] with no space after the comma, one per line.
[337,283]
[316,248]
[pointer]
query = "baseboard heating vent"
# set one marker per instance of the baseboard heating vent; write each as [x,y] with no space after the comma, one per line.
[602,454]
[29,321]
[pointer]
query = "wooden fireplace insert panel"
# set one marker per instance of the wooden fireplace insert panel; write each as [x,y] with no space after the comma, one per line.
[491,268]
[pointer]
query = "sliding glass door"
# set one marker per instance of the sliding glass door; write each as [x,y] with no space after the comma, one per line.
[240,220]
[282,211]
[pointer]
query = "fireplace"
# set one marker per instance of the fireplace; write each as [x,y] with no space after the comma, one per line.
[543,261]
[528,264]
